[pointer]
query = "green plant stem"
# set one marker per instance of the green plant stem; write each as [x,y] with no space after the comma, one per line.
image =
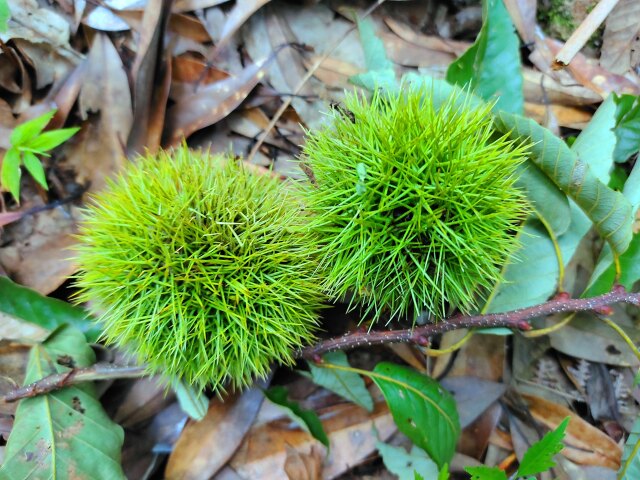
[516,320]
[624,336]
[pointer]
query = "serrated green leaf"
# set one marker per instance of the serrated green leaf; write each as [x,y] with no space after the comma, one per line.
[192,400]
[34,167]
[609,211]
[486,473]
[630,465]
[627,126]
[5,14]
[492,64]
[539,457]
[25,304]
[29,130]
[597,142]
[423,410]
[49,140]
[11,173]
[346,384]
[307,419]
[65,434]
[407,466]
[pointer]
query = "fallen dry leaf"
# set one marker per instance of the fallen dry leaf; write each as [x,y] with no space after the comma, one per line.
[303,466]
[620,34]
[239,14]
[523,15]
[585,444]
[204,447]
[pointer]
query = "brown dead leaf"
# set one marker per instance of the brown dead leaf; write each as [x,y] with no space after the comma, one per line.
[333,72]
[570,117]
[97,151]
[429,42]
[236,18]
[13,365]
[37,253]
[523,15]
[49,65]
[585,444]
[303,466]
[191,5]
[205,446]
[620,32]
[211,103]
[140,400]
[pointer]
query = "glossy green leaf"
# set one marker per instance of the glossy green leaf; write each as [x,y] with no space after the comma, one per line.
[596,143]
[630,465]
[11,172]
[34,167]
[49,140]
[65,434]
[627,126]
[407,465]
[491,66]
[192,400]
[27,305]
[423,410]
[380,72]
[29,130]
[486,473]
[609,211]
[346,384]
[307,419]
[539,457]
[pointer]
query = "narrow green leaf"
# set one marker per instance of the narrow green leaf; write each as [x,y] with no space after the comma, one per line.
[609,211]
[34,167]
[307,419]
[346,384]
[29,130]
[539,457]
[11,173]
[192,400]
[27,305]
[630,465]
[491,66]
[486,473]
[5,15]
[65,434]
[49,140]
[423,410]
[627,126]
[407,465]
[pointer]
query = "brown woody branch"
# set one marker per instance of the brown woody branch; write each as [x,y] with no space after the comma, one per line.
[515,320]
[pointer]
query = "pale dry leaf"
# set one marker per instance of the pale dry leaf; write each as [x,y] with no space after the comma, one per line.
[303,466]
[239,14]
[523,15]
[49,65]
[620,31]
[180,6]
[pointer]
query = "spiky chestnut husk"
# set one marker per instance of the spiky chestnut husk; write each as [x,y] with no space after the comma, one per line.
[417,204]
[201,268]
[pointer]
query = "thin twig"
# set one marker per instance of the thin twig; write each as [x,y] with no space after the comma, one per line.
[516,320]
[99,371]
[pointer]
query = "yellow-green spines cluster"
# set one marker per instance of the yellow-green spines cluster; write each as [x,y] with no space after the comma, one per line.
[200,267]
[416,204]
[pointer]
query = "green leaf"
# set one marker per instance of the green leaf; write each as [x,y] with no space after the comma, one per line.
[11,172]
[596,143]
[5,14]
[346,384]
[421,408]
[407,465]
[486,473]
[539,457]
[491,66]
[610,211]
[380,73]
[27,305]
[34,167]
[627,126]
[307,419]
[29,130]
[51,139]
[192,400]
[549,202]
[630,466]
[65,434]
